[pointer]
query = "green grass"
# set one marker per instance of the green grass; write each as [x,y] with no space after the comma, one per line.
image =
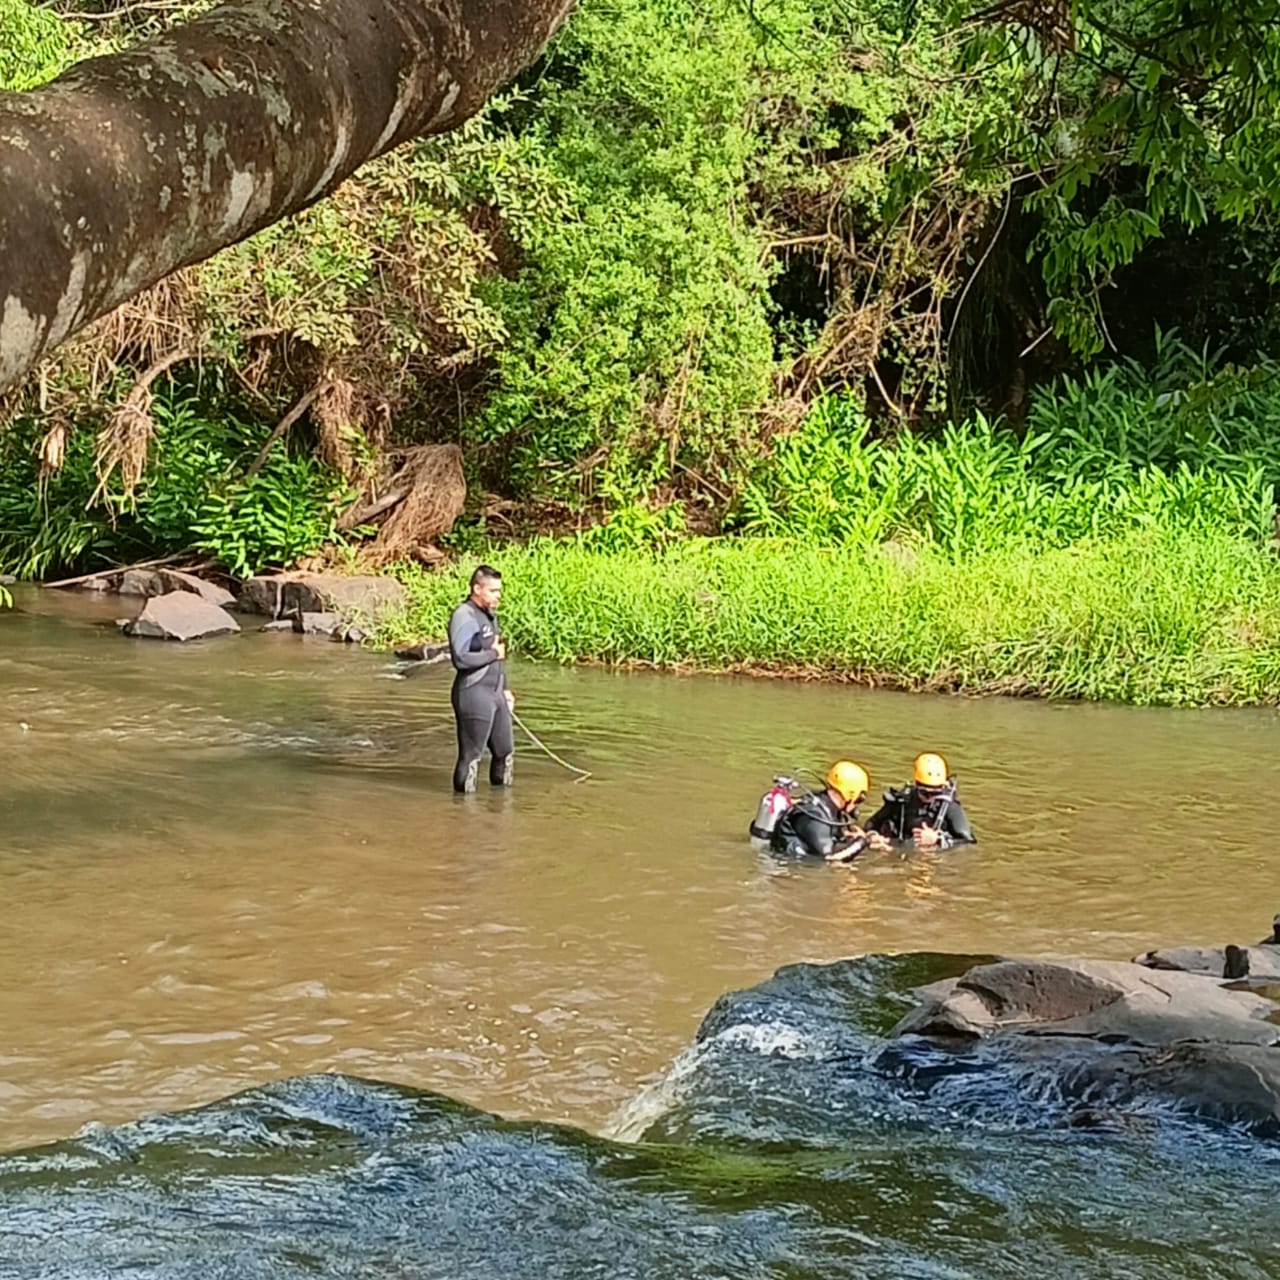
[1154,618]
[1076,473]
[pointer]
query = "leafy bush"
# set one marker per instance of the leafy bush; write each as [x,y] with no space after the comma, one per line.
[194,496]
[1188,447]
[45,523]
[197,492]
[35,44]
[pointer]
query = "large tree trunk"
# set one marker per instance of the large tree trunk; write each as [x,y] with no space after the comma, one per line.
[128,167]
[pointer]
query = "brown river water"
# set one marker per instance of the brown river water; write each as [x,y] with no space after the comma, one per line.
[230,862]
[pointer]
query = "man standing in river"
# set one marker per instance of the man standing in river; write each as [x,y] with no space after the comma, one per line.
[482,703]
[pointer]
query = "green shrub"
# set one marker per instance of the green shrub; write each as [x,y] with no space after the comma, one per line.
[35,44]
[194,496]
[1184,447]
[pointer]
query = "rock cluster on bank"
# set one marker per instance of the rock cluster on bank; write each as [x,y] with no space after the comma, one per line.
[181,606]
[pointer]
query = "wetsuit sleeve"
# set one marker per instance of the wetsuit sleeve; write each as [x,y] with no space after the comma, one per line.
[956,824]
[822,838]
[463,630]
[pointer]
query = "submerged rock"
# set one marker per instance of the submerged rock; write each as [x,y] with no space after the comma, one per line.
[427,652]
[797,1136]
[329,1177]
[181,615]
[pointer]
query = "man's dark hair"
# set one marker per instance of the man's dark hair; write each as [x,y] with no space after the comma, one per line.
[485,573]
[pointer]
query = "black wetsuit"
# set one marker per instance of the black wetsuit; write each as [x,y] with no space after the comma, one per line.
[906,808]
[814,825]
[479,697]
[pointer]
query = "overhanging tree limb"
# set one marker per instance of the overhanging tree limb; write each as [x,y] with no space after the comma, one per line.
[128,167]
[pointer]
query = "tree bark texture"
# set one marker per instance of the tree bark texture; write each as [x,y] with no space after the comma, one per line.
[130,166]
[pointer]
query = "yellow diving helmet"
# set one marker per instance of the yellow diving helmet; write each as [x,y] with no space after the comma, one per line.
[931,770]
[849,779]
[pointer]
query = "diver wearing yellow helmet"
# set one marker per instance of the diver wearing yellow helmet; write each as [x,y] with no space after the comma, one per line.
[926,812]
[824,823]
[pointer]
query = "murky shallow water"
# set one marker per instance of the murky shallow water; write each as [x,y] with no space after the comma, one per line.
[227,863]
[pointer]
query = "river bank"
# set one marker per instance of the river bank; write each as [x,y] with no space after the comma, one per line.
[1161,617]
[1104,553]
[1154,618]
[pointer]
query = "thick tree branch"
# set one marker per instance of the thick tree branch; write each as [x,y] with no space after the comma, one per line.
[128,167]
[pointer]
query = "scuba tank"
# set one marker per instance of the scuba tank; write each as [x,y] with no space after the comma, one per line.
[773,804]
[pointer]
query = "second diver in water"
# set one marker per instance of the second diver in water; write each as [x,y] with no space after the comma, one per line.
[823,823]
[926,812]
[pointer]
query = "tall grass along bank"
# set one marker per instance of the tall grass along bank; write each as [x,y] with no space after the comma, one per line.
[1168,618]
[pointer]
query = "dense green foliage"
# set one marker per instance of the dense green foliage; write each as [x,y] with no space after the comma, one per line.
[695,218]
[34,44]
[826,276]
[196,496]
[615,328]
[1187,446]
[1121,548]
[1149,617]
[1152,117]
[977,486]
[692,221]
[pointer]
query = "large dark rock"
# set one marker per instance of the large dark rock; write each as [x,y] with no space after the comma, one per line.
[1094,998]
[365,598]
[181,615]
[140,582]
[316,624]
[1125,1034]
[179,581]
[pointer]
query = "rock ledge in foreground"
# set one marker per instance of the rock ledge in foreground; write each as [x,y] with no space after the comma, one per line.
[1114,1033]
